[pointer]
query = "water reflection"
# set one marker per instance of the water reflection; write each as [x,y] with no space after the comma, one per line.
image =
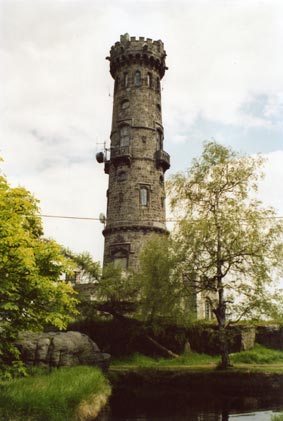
[259,416]
[110,415]
[126,406]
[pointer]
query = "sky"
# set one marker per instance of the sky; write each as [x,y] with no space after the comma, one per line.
[224,83]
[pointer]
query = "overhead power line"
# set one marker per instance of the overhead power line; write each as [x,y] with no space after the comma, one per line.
[85,218]
[67,217]
[93,219]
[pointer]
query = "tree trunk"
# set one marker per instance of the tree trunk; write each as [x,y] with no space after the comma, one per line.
[167,352]
[221,319]
[220,312]
[225,358]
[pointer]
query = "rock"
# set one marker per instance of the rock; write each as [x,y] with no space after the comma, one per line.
[60,349]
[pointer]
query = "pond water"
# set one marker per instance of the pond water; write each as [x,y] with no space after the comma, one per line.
[201,416]
[126,406]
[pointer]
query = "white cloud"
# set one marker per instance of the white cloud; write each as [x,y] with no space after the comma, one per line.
[73,190]
[269,191]
[56,91]
[222,53]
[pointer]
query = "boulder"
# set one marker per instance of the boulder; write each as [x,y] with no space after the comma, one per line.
[60,349]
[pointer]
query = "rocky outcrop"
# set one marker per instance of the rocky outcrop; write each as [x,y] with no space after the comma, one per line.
[60,349]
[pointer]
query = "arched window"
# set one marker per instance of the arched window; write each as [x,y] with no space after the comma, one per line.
[120,255]
[124,104]
[138,78]
[121,262]
[159,139]
[158,84]
[125,136]
[149,79]
[207,310]
[121,176]
[144,196]
[116,84]
[126,80]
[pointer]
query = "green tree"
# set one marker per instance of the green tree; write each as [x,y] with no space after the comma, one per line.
[31,292]
[149,294]
[143,301]
[91,270]
[228,246]
[116,294]
[159,293]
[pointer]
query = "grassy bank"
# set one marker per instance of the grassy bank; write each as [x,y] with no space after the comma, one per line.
[78,393]
[191,359]
[259,355]
[277,417]
[75,393]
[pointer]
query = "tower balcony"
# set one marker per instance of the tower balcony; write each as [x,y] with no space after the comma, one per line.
[121,154]
[162,159]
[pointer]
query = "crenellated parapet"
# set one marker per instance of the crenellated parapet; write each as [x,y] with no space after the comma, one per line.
[142,51]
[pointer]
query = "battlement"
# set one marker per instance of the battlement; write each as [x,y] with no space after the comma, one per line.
[133,49]
[128,43]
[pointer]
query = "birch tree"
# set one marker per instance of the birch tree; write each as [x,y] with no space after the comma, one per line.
[228,246]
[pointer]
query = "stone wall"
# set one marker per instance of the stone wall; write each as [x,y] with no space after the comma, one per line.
[270,336]
[128,336]
[204,339]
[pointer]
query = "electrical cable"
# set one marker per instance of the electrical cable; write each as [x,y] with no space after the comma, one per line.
[98,219]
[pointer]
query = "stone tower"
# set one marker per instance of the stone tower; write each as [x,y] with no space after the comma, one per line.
[137,161]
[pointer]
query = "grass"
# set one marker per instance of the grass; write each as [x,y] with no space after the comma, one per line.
[77,393]
[189,359]
[64,394]
[258,355]
[277,417]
